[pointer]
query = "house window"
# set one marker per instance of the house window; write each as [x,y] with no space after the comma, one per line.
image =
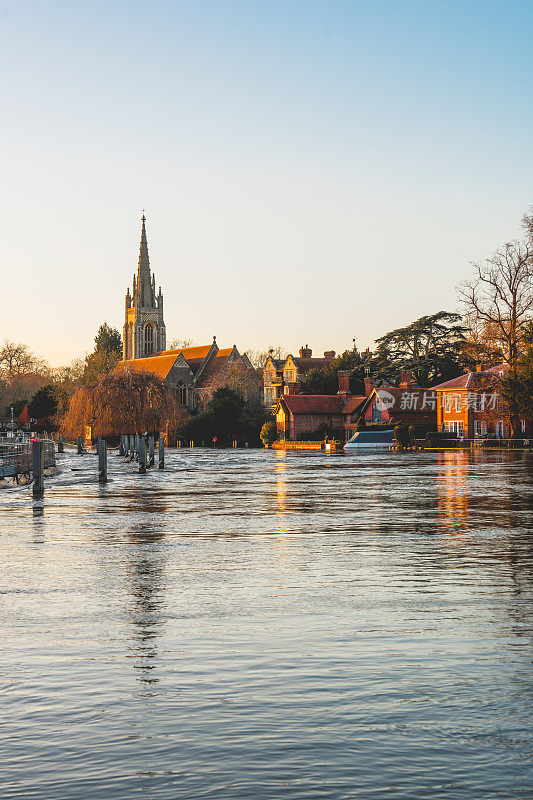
[457,402]
[477,427]
[148,339]
[500,429]
[523,425]
[454,427]
[447,402]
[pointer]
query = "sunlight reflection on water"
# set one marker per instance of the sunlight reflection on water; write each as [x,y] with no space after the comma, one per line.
[251,624]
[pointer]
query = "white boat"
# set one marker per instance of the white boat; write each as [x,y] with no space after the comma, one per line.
[371,440]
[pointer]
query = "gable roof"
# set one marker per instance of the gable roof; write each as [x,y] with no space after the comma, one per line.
[353,403]
[215,366]
[159,365]
[475,380]
[313,403]
[303,365]
[189,352]
[278,363]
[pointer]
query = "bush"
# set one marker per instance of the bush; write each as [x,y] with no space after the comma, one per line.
[269,432]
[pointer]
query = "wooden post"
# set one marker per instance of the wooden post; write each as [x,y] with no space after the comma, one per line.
[151,453]
[102,460]
[142,455]
[38,468]
[161,452]
[80,445]
[60,444]
[121,448]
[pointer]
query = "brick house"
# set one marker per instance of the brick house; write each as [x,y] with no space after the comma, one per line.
[388,405]
[299,415]
[470,406]
[279,373]
[272,380]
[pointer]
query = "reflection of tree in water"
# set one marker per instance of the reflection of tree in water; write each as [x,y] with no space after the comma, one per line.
[145,569]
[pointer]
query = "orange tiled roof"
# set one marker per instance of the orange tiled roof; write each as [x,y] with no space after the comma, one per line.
[189,352]
[159,365]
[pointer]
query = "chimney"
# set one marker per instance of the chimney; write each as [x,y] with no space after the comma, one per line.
[329,354]
[369,383]
[407,378]
[305,352]
[292,387]
[344,383]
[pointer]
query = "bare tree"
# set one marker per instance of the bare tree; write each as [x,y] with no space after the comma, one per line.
[259,358]
[239,377]
[500,297]
[17,359]
[180,344]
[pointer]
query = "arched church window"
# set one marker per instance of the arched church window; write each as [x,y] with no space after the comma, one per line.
[148,339]
[129,341]
[182,394]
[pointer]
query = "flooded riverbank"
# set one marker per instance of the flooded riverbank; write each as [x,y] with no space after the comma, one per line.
[260,624]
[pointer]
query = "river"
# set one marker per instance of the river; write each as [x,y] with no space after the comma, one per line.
[258,624]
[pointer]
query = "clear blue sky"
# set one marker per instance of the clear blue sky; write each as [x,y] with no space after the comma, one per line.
[311,171]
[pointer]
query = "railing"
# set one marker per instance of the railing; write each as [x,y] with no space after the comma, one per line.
[16,456]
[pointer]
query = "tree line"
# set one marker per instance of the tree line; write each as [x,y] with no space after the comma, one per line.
[495,325]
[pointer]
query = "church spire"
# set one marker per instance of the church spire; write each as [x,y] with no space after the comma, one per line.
[144,283]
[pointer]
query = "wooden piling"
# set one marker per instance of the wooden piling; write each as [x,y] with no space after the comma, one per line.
[60,444]
[80,445]
[151,451]
[161,454]
[142,455]
[38,468]
[102,460]
[121,448]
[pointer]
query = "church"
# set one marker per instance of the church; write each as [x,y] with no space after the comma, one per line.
[194,372]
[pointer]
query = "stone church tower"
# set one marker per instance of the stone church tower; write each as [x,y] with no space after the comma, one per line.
[144,328]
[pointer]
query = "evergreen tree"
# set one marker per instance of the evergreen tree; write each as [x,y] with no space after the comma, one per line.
[43,403]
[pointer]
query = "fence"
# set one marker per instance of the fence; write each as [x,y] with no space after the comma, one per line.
[16,456]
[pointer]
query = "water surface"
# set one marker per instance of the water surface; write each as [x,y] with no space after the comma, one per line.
[251,624]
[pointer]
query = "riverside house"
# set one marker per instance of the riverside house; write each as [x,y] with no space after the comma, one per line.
[280,374]
[470,406]
[299,416]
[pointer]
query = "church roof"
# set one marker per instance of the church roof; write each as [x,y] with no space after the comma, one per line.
[214,366]
[189,352]
[160,365]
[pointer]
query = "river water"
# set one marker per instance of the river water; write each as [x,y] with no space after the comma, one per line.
[258,624]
